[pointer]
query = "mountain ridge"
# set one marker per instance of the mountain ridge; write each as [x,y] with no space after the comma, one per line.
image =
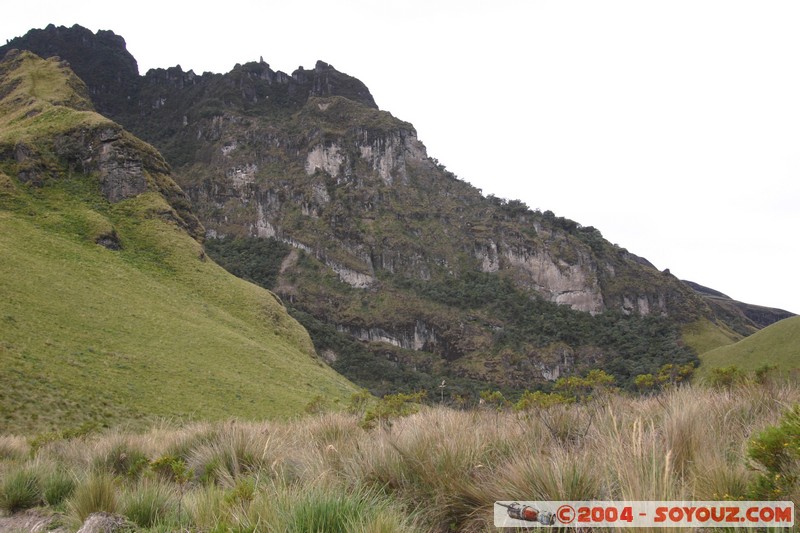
[760,315]
[389,248]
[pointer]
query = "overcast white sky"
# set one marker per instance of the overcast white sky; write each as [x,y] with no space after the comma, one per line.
[671,126]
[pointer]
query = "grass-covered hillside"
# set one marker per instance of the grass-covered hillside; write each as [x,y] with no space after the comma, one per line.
[776,345]
[110,312]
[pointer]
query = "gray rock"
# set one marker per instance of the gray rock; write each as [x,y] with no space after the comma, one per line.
[121,172]
[106,523]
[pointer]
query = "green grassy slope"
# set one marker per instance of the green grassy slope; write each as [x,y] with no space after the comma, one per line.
[777,344]
[90,334]
[703,335]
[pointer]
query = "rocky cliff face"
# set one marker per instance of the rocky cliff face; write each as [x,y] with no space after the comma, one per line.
[540,270]
[359,154]
[383,234]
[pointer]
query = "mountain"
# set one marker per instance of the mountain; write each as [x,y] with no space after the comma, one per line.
[403,274]
[111,311]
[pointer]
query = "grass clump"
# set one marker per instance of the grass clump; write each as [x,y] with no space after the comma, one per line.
[563,475]
[57,486]
[20,490]
[206,508]
[150,503]
[96,493]
[336,512]
[319,508]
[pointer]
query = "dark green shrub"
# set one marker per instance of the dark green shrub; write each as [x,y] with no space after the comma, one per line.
[540,400]
[358,402]
[494,399]
[582,388]
[776,453]
[316,405]
[392,406]
[725,377]
[242,493]
[764,373]
[171,468]
[669,375]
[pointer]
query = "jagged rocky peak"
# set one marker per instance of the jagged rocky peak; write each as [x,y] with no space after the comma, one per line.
[322,81]
[54,40]
[327,81]
[172,76]
[111,73]
[100,59]
[50,131]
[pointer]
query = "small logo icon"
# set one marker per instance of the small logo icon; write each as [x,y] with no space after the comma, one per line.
[565,514]
[527,513]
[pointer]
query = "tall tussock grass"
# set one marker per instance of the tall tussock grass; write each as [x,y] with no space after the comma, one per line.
[150,503]
[97,492]
[437,470]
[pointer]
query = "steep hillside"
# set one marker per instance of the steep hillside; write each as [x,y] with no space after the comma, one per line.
[403,274]
[111,312]
[777,344]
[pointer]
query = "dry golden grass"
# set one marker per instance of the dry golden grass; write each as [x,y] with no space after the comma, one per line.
[436,470]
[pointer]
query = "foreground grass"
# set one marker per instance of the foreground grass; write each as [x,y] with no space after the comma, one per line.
[437,470]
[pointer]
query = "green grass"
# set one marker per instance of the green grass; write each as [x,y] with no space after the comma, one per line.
[41,97]
[702,335]
[777,344]
[325,510]
[92,334]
